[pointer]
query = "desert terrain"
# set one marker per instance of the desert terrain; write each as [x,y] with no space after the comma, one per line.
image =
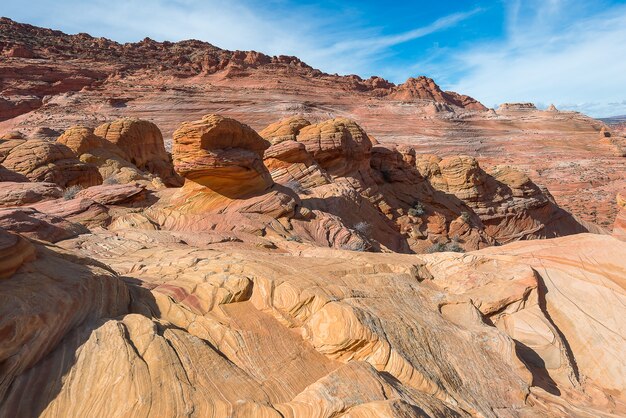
[191,231]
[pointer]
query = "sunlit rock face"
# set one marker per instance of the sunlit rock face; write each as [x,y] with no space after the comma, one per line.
[44,161]
[374,250]
[223,155]
[315,332]
[142,142]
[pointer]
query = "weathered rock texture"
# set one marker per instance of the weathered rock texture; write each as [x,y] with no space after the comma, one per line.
[231,295]
[222,155]
[23,193]
[619,229]
[81,80]
[182,330]
[326,183]
[44,161]
[142,143]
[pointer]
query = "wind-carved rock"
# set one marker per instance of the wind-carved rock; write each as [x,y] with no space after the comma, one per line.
[340,146]
[45,161]
[142,143]
[222,155]
[288,160]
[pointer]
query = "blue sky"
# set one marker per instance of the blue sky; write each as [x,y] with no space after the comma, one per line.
[568,52]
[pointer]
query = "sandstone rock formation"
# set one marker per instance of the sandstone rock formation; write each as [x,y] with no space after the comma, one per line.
[272,283]
[508,204]
[339,146]
[44,161]
[425,88]
[247,332]
[142,143]
[23,193]
[517,107]
[331,187]
[33,223]
[14,251]
[81,80]
[619,229]
[113,163]
[288,160]
[222,155]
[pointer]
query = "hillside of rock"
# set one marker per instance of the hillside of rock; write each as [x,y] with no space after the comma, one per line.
[190,231]
[155,324]
[50,81]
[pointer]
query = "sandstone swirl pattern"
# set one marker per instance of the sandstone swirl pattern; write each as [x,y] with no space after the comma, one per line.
[174,330]
[236,295]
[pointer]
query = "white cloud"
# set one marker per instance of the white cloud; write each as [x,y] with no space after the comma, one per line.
[553,51]
[332,42]
[550,56]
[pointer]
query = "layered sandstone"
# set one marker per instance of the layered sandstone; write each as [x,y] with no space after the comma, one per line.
[340,146]
[111,160]
[619,228]
[289,161]
[424,88]
[222,155]
[249,332]
[23,193]
[142,143]
[170,82]
[44,161]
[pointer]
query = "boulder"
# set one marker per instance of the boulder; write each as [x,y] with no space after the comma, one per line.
[222,155]
[45,161]
[23,193]
[111,160]
[113,194]
[340,146]
[32,223]
[142,143]
[284,130]
[288,161]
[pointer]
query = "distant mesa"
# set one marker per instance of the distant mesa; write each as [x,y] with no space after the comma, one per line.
[424,88]
[552,108]
[187,59]
[517,106]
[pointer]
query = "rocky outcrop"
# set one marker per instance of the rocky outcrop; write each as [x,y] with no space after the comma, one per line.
[23,193]
[113,194]
[340,146]
[44,161]
[14,252]
[112,162]
[51,294]
[142,144]
[284,130]
[424,88]
[517,107]
[12,106]
[223,155]
[509,205]
[288,160]
[32,223]
[315,333]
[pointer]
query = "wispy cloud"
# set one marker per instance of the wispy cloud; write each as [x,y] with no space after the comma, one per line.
[561,51]
[550,55]
[362,54]
[334,42]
